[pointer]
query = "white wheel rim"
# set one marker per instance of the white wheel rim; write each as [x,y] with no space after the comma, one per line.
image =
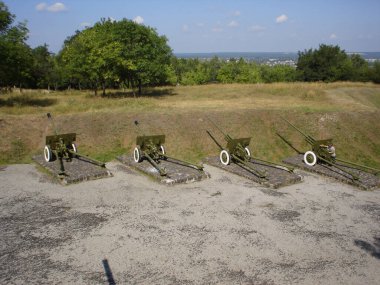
[136,154]
[162,149]
[247,151]
[309,154]
[47,153]
[225,154]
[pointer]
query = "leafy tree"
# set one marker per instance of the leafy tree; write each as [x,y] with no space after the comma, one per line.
[360,69]
[328,63]
[278,73]
[44,67]
[120,52]
[374,72]
[15,55]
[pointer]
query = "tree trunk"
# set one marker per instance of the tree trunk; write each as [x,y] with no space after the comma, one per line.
[104,89]
[139,87]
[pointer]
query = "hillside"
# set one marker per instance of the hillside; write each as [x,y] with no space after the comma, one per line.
[348,112]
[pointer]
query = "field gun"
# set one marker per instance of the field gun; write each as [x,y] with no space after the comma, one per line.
[62,146]
[323,151]
[152,148]
[237,151]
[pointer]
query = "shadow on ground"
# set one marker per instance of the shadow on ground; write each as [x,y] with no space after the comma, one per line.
[108,272]
[27,101]
[154,93]
[372,249]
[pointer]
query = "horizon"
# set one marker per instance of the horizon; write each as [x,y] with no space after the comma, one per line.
[208,26]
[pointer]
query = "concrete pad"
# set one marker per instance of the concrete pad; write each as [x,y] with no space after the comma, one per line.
[176,173]
[367,181]
[276,177]
[77,170]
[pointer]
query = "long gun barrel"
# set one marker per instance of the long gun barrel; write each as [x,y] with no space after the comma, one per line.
[309,139]
[52,122]
[226,136]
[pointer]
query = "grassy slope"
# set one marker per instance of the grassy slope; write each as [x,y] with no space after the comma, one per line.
[348,112]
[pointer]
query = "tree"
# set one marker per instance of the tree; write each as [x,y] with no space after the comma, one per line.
[374,72]
[278,73]
[15,55]
[43,68]
[360,69]
[328,63]
[122,52]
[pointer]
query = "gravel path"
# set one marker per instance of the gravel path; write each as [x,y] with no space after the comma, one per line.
[128,229]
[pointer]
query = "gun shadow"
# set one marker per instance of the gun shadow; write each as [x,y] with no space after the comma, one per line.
[108,271]
[372,249]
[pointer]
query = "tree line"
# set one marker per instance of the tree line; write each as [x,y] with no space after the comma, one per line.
[124,54]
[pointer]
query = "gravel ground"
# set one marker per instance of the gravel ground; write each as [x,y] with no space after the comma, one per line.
[128,229]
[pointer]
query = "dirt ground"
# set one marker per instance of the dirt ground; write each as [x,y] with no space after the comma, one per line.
[128,229]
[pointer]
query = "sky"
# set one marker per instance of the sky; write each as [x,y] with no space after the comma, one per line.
[215,25]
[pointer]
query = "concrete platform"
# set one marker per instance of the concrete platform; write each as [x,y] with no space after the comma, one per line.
[276,177]
[367,181]
[77,170]
[176,173]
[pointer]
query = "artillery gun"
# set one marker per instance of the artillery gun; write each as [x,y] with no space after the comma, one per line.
[237,151]
[63,147]
[152,148]
[321,152]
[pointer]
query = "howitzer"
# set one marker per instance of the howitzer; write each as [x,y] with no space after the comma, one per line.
[238,152]
[323,151]
[62,146]
[152,148]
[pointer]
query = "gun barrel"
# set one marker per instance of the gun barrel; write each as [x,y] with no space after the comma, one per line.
[94,161]
[226,136]
[53,124]
[309,139]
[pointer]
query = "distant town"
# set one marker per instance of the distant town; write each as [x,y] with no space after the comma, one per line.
[267,58]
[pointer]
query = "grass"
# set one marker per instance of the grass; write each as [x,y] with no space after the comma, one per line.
[348,112]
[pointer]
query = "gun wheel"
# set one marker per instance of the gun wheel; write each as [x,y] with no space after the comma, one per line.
[247,151]
[48,154]
[162,149]
[310,158]
[137,157]
[224,157]
[74,147]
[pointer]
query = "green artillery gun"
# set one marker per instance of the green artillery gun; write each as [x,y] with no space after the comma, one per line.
[62,146]
[237,151]
[152,148]
[323,151]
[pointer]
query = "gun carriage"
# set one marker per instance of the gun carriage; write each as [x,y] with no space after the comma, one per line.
[237,151]
[152,148]
[62,147]
[321,153]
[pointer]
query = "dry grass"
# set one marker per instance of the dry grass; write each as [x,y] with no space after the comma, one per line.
[349,112]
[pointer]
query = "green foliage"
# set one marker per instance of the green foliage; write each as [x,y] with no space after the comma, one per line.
[15,55]
[374,72]
[117,52]
[330,63]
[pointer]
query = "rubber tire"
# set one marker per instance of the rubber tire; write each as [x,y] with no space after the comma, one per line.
[162,149]
[48,154]
[247,151]
[137,157]
[74,147]
[228,157]
[312,154]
